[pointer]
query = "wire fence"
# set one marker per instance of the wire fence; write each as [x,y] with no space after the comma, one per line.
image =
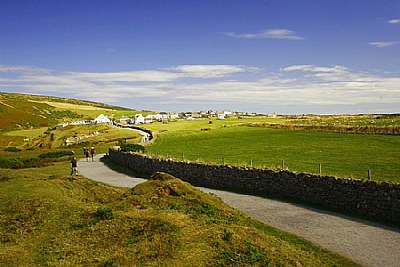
[339,169]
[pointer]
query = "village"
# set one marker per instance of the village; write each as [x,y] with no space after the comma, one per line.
[137,119]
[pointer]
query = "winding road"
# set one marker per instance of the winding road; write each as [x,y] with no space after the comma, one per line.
[368,243]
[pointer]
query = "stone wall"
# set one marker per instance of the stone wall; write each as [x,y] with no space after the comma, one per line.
[370,198]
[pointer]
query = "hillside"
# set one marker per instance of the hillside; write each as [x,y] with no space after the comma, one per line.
[28,123]
[21,111]
[50,219]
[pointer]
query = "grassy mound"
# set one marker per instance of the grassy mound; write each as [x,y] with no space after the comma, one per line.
[50,219]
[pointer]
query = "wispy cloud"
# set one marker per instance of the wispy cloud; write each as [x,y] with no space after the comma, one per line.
[267,33]
[384,44]
[394,21]
[210,71]
[202,86]
[127,76]
[23,69]
[312,68]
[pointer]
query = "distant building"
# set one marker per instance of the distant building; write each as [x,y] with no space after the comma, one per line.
[164,115]
[101,119]
[227,113]
[152,117]
[61,125]
[196,114]
[82,122]
[139,119]
[203,114]
[173,115]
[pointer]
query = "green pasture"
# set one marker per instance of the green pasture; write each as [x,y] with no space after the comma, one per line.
[213,123]
[30,133]
[343,155]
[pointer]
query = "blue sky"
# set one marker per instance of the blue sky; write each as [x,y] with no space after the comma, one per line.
[289,57]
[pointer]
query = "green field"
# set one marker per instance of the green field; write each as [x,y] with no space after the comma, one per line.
[343,155]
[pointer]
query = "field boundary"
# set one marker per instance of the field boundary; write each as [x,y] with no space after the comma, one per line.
[368,198]
[347,129]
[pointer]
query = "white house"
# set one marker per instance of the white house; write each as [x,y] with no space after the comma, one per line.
[227,113]
[173,115]
[152,117]
[164,115]
[221,116]
[101,119]
[196,114]
[81,122]
[139,119]
[61,125]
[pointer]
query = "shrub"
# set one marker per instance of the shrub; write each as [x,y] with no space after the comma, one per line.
[131,147]
[40,161]
[227,236]
[104,213]
[11,163]
[12,149]
[56,154]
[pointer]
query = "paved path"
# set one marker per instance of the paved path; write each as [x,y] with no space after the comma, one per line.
[98,171]
[145,136]
[368,243]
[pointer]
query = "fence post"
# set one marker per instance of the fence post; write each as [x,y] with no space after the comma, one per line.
[283,164]
[251,163]
[369,175]
[320,169]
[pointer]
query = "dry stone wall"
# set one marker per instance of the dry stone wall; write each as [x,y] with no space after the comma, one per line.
[370,198]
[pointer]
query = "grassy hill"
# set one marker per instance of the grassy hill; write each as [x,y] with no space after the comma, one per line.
[50,219]
[28,122]
[21,111]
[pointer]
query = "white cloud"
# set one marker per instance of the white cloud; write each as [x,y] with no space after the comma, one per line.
[128,76]
[295,86]
[336,69]
[267,33]
[394,21]
[384,44]
[210,71]
[24,69]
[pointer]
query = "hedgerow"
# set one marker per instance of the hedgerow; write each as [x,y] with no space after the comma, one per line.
[40,161]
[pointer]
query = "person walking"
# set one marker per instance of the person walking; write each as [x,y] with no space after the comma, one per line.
[86,153]
[92,153]
[74,166]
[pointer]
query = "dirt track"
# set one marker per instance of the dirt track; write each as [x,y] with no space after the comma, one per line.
[370,244]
